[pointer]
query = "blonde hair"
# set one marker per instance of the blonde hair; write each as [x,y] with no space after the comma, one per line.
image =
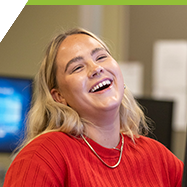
[47,115]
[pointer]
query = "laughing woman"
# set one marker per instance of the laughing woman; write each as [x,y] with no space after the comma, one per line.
[85,128]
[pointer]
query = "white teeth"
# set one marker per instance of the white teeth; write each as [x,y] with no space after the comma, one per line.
[101,84]
[108,82]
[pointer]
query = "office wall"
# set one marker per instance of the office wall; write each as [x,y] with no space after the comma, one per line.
[22,48]
[148,24]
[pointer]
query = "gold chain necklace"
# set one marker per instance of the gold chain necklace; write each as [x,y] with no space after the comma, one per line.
[121,151]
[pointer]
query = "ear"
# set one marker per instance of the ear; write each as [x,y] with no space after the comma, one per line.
[57,96]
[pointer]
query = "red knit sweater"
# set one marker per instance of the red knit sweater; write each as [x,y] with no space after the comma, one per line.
[56,159]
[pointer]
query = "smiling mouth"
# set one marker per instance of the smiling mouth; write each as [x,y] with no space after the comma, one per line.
[101,86]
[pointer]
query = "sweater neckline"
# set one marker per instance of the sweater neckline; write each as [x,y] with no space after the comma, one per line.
[103,151]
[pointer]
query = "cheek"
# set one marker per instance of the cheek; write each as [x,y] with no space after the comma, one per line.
[120,76]
[73,92]
[73,86]
[118,72]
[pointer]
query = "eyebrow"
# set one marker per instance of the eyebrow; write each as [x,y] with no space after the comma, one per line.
[96,50]
[72,61]
[78,58]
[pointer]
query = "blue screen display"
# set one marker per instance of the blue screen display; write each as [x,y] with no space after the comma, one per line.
[15,99]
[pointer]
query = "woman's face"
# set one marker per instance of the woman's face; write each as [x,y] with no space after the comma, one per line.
[89,79]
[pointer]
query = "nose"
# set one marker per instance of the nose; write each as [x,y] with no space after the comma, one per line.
[95,70]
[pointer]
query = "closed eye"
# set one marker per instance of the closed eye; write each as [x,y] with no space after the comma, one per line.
[101,57]
[77,68]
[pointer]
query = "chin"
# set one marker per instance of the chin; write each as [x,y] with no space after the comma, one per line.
[112,105]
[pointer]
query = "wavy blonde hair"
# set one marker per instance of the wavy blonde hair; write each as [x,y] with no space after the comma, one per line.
[47,115]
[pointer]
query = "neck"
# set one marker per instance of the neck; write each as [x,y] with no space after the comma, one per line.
[105,134]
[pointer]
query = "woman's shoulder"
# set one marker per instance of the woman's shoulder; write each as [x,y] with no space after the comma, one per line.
[153,145]
[47,154]
[149,141]
[155,156]
[151,148]
[50,143]
[145,141]
[50,138]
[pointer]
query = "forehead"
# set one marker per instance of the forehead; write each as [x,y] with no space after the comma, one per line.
[75,40]
[76,45]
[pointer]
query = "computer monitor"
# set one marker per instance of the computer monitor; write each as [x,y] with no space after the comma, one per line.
[160,112]
[15,99]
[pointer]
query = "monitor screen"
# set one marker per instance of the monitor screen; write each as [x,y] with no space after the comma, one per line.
[15,99]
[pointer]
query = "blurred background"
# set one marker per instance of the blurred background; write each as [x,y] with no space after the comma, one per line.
[149,42]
